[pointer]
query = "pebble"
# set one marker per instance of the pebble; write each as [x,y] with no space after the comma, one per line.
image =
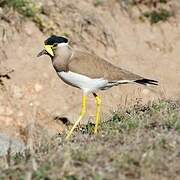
[38,87]
[17,92]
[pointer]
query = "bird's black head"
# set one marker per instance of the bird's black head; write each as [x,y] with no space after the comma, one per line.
[51,43]
[55,40]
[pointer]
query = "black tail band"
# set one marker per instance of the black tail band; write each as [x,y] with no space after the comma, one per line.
[147,81]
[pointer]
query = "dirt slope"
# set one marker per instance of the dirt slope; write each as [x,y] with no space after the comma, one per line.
[107,30]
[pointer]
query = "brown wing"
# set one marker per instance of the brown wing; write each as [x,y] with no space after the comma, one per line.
[96,67]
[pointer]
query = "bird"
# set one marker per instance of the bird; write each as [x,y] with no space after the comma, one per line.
[88,72]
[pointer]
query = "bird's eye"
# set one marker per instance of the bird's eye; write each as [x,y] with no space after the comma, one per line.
[55,45]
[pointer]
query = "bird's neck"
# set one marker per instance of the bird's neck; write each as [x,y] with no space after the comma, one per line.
[61,59]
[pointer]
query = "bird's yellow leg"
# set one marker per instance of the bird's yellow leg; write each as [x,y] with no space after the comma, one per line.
[82,113]
[98,109]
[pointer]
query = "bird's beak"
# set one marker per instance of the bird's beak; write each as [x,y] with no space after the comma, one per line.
[47,50]
[42,53]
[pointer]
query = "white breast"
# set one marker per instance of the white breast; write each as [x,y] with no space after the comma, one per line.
[83,82]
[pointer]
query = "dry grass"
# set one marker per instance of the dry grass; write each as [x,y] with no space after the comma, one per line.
[139,142]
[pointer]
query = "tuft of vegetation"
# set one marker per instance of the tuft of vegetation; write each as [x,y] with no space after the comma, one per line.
[140,142]
[28,9]
[164,115]
[98,2]
[156,16]
[156,10]
[24,7]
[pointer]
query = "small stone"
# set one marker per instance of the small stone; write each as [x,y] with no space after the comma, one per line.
[17,92]
[38,87]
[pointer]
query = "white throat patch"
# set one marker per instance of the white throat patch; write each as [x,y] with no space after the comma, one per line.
[62,44]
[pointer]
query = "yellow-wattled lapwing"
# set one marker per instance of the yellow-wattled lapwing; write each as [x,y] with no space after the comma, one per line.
[87,72]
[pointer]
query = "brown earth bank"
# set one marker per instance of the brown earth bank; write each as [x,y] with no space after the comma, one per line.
[30,88]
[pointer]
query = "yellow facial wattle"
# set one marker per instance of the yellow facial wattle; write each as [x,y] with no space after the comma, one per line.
[48,48]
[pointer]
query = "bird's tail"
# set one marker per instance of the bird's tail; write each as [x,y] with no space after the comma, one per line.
[146,82]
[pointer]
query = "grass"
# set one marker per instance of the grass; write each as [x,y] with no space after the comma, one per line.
[98,2]
[24,7]
[140,142]
[156,16]
[28,9]
[156,10]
